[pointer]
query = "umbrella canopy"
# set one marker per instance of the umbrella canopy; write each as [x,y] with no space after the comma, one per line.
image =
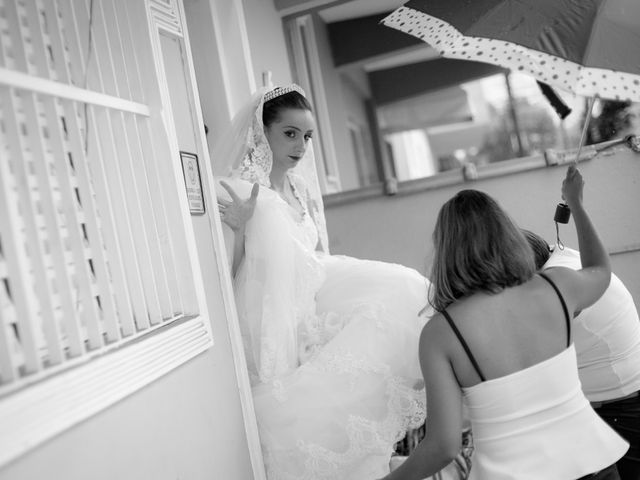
[588,47]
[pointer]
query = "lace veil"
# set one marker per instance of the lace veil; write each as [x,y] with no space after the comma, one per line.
[243,152]
[268,280]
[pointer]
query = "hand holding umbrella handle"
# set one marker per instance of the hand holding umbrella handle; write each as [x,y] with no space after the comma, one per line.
[572,187]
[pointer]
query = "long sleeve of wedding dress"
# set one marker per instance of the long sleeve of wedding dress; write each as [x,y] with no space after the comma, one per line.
[331,345]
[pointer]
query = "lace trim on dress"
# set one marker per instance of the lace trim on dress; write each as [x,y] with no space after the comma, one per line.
[310,206]
[405,406]
[315,331]
[255,165]
[407,401]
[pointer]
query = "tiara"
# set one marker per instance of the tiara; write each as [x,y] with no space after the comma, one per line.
[276,92]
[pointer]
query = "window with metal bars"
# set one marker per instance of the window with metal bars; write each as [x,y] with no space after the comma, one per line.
[96,255]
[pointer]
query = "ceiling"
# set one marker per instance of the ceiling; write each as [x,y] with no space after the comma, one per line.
[358,8]
[351,11]
[396,65]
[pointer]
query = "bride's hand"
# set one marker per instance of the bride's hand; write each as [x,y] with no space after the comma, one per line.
[237,212]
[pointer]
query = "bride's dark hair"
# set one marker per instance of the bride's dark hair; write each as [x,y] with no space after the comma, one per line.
[291,100]
[477,247]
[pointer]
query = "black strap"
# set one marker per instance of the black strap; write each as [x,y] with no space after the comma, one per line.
[463,343]
[564,307]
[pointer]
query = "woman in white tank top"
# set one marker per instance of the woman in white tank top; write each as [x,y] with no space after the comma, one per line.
[501,346]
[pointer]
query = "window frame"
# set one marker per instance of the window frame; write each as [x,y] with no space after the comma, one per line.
[38,406]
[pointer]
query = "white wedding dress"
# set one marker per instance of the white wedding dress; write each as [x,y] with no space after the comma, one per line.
[331,345]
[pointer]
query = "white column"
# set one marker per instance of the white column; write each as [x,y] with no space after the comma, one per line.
[222,60]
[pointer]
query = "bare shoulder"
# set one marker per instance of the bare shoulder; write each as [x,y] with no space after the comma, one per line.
[564,278]
[435,334]
[558,272]
[580,288]
[434,349]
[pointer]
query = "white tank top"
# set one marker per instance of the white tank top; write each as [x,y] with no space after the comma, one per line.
[606,336]
[536,423]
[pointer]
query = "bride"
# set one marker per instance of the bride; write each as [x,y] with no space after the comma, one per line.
[330,341]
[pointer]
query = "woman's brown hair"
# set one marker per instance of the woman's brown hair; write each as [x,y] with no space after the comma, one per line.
[477,247]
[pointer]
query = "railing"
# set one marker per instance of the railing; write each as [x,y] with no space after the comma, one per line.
[398,228]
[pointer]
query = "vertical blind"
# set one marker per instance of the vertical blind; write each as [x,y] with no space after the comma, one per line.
[90,255]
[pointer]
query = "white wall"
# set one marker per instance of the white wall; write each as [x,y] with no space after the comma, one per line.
[182,426]
[336,104]
[222,60]
[208,58]
[189,424]
[233,42]
[398,229]
[266,41]
[355,93]
[229,364]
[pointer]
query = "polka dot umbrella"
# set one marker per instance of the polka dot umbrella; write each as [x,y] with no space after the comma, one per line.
[587,47]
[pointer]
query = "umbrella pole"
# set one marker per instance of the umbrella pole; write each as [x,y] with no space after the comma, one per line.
[585,127]
[514,117]
[562,210]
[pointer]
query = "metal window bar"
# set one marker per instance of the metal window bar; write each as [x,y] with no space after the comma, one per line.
[167,175]
[142,129]
[19,280]
[156,287]
[108,155]
[67,146]
[8,341]
[92,171]
[67,279]
[140,168]
[20,163]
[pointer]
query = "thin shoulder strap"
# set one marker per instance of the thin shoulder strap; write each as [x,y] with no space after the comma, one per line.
[463,343]
[564,307]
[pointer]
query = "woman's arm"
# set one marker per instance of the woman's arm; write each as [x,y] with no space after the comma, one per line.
[236,213]
[584,286]
[443,437]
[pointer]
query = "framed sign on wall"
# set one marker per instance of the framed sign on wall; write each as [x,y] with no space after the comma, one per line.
[192,182]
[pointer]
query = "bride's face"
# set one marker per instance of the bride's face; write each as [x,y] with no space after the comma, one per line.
[289,136]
